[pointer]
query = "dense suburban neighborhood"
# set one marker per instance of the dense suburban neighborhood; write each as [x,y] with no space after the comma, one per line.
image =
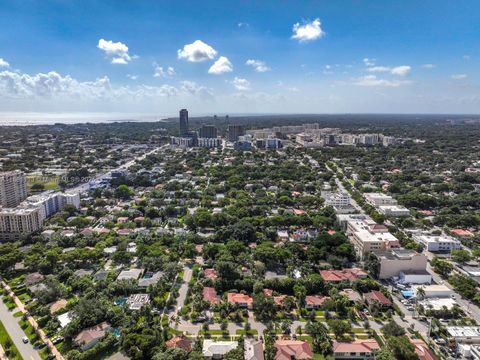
[240,241]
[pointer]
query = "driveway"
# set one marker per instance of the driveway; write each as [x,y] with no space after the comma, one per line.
[16,333]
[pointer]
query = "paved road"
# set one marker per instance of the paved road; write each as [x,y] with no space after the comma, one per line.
[16,333]
[182,292]
[472,310]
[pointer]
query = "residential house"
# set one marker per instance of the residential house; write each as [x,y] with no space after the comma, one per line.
[210,295]
[179,342]
[217,349]
[343,275]
[293,350]
[89,337]
[360,349]
[377,298]
[253,350]
[210,274]
[315,302]
[241,300]
[136,301]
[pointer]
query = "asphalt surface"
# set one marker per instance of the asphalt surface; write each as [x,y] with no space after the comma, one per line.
[16,333]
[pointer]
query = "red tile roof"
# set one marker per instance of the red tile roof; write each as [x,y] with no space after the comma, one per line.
[237,298]
[377,296]
[343,275]
[315,300]
[210,273]
[461,232]
[293,349]
[179,342]
[210,295]
[357,346]
[422,350]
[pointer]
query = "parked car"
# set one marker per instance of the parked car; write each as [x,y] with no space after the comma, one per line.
[25,340]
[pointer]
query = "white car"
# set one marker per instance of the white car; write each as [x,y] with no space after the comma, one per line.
[25,340]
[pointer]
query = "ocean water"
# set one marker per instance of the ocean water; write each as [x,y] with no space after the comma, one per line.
[32,118]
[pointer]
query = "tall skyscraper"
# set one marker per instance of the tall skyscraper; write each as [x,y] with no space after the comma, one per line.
[13,188]
[208,131]
[234,131]
[184,123]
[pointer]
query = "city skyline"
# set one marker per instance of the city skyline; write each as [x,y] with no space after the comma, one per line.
[240,57]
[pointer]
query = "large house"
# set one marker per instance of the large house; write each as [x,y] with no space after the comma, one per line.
[343,275]
[210,295]
[314,302]
[241,300]
[360,349]
[89,337]
[377,298]
[217,349]
[253,350]
[179,342]
[293,350]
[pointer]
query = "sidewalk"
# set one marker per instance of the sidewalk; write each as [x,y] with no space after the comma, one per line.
[34,324]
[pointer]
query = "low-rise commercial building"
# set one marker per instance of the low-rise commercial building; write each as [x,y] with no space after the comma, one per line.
[396,261]
[379,199]
[394,210]
[438,243]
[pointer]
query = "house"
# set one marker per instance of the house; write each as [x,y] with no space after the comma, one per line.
[360,349]
[293,350]
[314,302]
[130,274]
[422,350]
[89,337]
[217,349]
[210,295]
[241,300]
[83,272]
[377,298]
[100,275]
[253,349]
[343,275]
[352,295]
[150,279]
[179,342]
[136,301]
[33,278]
[210,274]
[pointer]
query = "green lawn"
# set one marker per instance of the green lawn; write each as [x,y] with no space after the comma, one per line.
[13,353]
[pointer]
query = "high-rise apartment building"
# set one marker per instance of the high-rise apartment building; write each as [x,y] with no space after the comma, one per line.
[17,223]
[184,123]
[13,188]
[208,131]
[234,131]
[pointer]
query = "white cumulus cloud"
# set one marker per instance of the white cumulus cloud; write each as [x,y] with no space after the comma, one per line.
[397,70]
[401,70]
[4,63]
[132,77]
[459,76]
[428,66]
[221,66]
[160,71]
[374,81]
[197,51]
[241,84]
[308,31]
[369,61]
[258,65]
[117,52]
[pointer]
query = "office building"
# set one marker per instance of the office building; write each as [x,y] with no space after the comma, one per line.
[379,199]
[183,123]
[208,131]
[234,131]
[394,210]
[13,188]
[438,243]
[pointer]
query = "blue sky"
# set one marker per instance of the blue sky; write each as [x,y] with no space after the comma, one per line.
[240,56]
